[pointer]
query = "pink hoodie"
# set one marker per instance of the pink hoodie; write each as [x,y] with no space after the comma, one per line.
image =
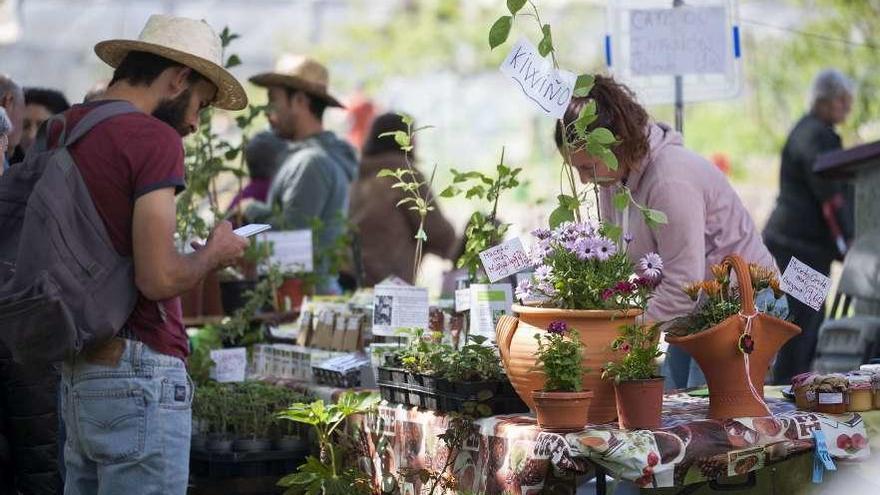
[707,220]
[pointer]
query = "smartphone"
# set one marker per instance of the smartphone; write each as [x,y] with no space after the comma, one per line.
[251,229]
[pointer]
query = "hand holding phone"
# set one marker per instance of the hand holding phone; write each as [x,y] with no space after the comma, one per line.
[251,229]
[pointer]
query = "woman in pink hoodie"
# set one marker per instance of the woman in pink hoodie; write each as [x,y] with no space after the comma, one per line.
[706,218]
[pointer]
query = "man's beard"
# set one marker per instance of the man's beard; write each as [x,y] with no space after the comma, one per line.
[173,112]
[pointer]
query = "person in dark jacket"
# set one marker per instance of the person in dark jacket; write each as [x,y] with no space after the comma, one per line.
[813,217]
[386,231]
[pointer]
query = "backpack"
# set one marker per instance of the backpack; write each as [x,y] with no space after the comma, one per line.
[63,286]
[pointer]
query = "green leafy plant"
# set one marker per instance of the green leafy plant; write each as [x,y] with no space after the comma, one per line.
[483,230]
[325,475]
[240,327]
[640,347]
[559,356]
[409,180]
[474,362]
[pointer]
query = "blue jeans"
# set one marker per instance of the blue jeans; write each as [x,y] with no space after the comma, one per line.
[127,413]
[681,370]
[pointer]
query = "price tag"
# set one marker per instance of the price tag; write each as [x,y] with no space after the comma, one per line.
[805,284]
[830,398]
[505,259]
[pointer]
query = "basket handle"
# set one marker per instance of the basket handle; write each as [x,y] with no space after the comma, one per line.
[746,291]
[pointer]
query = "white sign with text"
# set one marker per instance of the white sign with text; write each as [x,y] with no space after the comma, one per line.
[678,41]
[292,249]
[505,259]
[462,300]
[399,306]
[549,89]
[805,284]
[229,364]
[488,304]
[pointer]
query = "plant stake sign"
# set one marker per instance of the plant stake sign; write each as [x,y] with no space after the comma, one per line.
[505,259]
[229,364]
[549,89]
[805,284]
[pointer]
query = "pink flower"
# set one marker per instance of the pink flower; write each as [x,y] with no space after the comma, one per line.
[607,294]
[625,347]
[558,327]
[624,287]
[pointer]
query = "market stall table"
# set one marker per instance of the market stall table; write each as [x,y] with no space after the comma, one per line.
[509,454]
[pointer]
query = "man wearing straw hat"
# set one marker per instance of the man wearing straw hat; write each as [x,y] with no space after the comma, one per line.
[127,403]
[314,179]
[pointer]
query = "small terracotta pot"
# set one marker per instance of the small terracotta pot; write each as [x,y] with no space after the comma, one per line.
[289,296]
[562,411]
[639,403]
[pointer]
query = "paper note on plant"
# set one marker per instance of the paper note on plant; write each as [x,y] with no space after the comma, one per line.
[399,306]
[505,259]
[805,284]
[292,249]
[488,304]
[462,300]
[549,89]
[229,364]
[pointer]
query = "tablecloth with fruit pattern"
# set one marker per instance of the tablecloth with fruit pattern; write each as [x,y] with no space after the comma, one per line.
[399,447]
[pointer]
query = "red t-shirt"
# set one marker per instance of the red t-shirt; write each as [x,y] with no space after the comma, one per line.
[120,160]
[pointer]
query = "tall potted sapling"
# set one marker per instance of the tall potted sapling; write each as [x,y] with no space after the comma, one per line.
[562,404]
[638,388]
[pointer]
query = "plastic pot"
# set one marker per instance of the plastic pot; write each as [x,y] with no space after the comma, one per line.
[251,444]
[232,293]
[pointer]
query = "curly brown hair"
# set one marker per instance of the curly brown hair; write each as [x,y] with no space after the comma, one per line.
[619,112]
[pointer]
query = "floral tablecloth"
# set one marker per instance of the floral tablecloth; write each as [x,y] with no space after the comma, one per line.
[509,454]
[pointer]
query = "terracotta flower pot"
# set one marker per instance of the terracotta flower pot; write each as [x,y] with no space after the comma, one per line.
[732,392]
[597,329]
[562,411]
[639,403]
[289,296]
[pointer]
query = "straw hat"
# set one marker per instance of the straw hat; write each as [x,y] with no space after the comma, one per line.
[299,72]
[188,42]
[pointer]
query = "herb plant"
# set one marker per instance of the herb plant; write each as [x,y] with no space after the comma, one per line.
[559,356]
[640,346]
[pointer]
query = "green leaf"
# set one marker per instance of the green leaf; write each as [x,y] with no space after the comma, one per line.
[499,31]
[569,202]
[514,6]
[602,135]
[560,215]
[232,61]
[654,218]
[407,119]
[546,44]
[450,192]
[421,235]
[613,232]
[402,139]
[386,172]
[405,201]
[621,199]
[608,158]
[583,85]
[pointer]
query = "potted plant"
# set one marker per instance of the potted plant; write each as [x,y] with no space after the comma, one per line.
[561,405]
[254,417]
[584,279]
[733,334]
[637,387]
[213,404]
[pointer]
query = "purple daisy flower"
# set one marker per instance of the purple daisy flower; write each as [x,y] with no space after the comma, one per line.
[546,288]
[651,266]
[523,290]
[543,273]
[605,248]
[586,248]
[558,327]
[585,228]
[627,238]
[539,251]
[541,233]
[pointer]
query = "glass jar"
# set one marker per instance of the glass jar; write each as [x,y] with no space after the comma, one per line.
[861,392]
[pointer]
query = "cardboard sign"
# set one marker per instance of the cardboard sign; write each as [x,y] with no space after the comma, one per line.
[462,300]
[505,259]
[678,41]
[229,364]
[549,89]
[805,284]
[293,250]
[488,304]
[399,306]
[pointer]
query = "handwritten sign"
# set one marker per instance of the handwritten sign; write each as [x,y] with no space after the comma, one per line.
[292,249]
[678,41]
[805,284]
[549,89]
[505,259]
[229,364]
[462,300]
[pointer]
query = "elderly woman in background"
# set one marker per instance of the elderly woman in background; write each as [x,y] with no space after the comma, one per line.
[706,219]
[813,217]
[5,129]
[387,232]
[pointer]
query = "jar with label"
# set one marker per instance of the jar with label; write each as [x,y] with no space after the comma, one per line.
[831,394]
[861,391]
[804,390]
[874,369]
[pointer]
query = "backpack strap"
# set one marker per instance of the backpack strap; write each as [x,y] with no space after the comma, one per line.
[95,117]
[41,143]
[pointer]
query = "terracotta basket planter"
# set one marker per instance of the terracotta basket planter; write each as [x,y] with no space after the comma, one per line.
[732,392]
[562,411]
[639,403]
[597,329]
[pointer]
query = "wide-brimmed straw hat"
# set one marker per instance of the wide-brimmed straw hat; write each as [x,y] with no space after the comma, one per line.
[188,42]
[299,72]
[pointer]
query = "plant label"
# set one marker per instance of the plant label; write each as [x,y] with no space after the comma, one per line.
[229,364]
[488,304]
[399,306]
[462,300]
[549,89]
[805,284]
[292,249]
[505,259]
